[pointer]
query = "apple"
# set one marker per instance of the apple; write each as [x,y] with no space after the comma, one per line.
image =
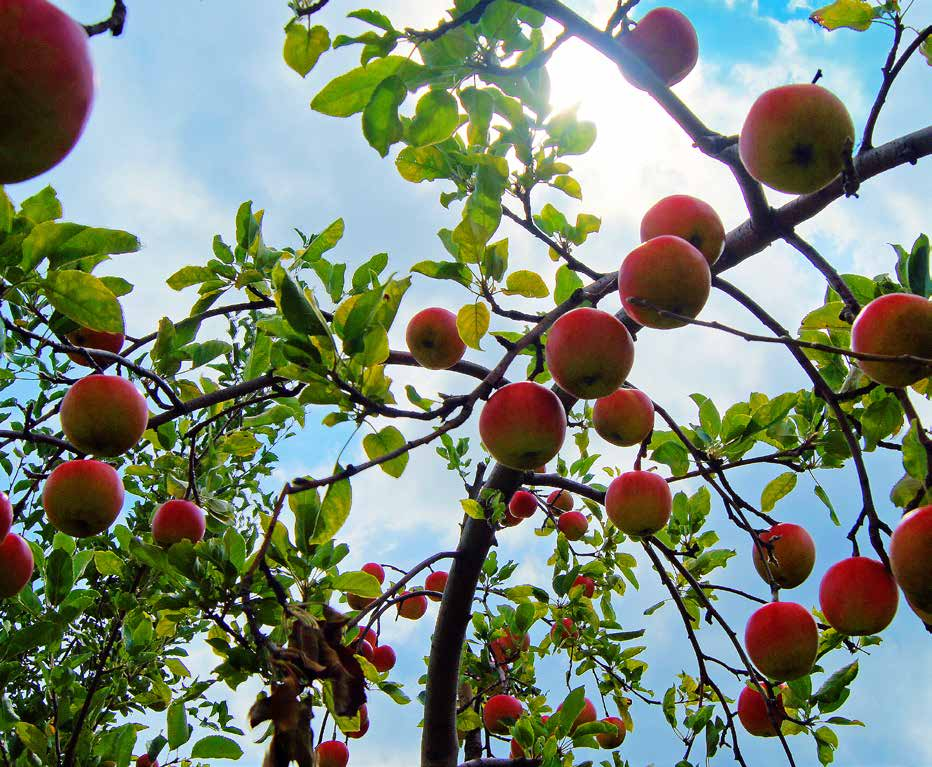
[522,425]
[436,581]
[588,714]
[790,554]
[6,515]
[363,723]
[383,658]
[332,753]
[16,565]
[858,596]
[670,274]
[639,502]
[507,647]
[624,418]
[178,520]
[434,340]
[510,520]
[46,89]
[515,751]
[666,42]
[563,631]
[103,415]
[573,524]
[910,555]
[367,635]
[607,739]
[146,761]
[522,505]
[588,585]
[500,712]
[560,501]
[753,712]
[94,339]
[690,218]
[794,138]
[364,649]
[589,353]
[412,608]
[782,640]
[82,497]
[897,323]
[375,570]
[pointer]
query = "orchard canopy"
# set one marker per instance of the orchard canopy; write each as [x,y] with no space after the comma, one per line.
[559,395]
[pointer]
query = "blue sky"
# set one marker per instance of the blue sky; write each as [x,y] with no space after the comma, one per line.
[196,112]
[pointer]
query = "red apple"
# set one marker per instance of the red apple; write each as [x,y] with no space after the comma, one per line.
[687,217]
[589,353]
[94,339]
[507,647]
[858,596]
[666,42]
[910,555]
[790,554]
[523,425]
[753,712]
[16,565]
[384,658]
[364,649]
[522,504]
[607,739]
[83,497]
[624,418]
[332,753]
[559,501]
[500,712]
[178,520]
[6,515]
[639,502]
[516,752]
[434,340]
[671,275]
[412,608]
[436,581]
[573,524]
[363,723]
[103,415]
[563,631]
[588,585]
[144,760]
[782,640]
[367,635]
[897,323]
[375,570]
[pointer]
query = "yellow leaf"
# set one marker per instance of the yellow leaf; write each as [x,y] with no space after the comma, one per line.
[472,322]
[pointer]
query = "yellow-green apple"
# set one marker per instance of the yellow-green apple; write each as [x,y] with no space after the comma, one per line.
[624,417]
[103,415]
[178,520]
[666,42]
[332,753]
[94,339]
[754,711]
[6,515]
[588,585]
[17,565]
[522,504]
[413,607]
[589,353]
[82,497]
[434,340]
[911,555]
[639,502]
[436,581]
[858,596]
[573,524]
[794,138]
[690,218]
[507,647]
[500,712]
[46,87]
[560,501]
[383,658]
[363,723]
[523,425]
[612,740]
[669,274]
[375,570]
[897,323]
[789,552]
[782,640]
[563,630]
[588,714]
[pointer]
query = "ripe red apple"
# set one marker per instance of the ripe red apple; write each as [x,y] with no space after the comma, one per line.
[910,555]
[897,323]
[522,505]
[103,415]
[516,752]
[563,631]
[507,647]
[670,274]
[587,583]
[383,658]
[589,353]
[357,602]
[523,425]
[178,520]
[666,41]
[16,565]
[690,218]
[436,581]
[790,556]
[794,137]
[363,723]
[752,711]
[782,640]
[510,520]
[94,339]
[624,418]
[573,524]
[412,607]
[332,753]
[6,515]
[560,501]
[367,635]
[639,502]
[83,497]
[607,739]
[364,649]
[500,712]
[858,596]
[46,90]
[144,760]
[434,340]
[375,570]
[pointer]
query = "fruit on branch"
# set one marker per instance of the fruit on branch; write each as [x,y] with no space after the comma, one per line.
[375,570]
[858,596]
[510,520]
[795,138]
[522,505]
[782,640]
[94,339]
[560,501]
[357,602]
[639,502]
[363,723]
[6,515]
[563,631]
[368,635]
[383,658]
[897,323]
[103,415]
[364,649]
[589,353]
[46,87]
[144,760]
[515,751]
[434,340]
[501,712]
[82,497]
[624,418]
[178,520]
[753,712]
[16,565]
[612,740]
[588,714]
[789,552]
[436,581]
[412,607]
[588,585]
[666,42]
[573,524]
[669,274]
[507,647]
[523,425]
[690,218]
[910,555]
[332,753]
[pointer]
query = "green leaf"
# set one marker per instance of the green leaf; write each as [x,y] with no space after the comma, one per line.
[881,419]
[823,496]
[42,206]
[915,458]
[568,282]
[383,442]
[297,305]
[836,683]
[33,738]
[216,747]
[853,14]
[568,185]
[570,135]
[357,582]
[350,93]
[435,118]
[6,212]
[776,489]
[920,279]
[526,283]
[380,122]
[417,164]
[189,275]
[82,297]
[444,270]
[827,316]
[108,563]
[709,418]
[177,725]
[473,508]
[303,46]
[322,520]
[472,322]
[324,241]
[59,575]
